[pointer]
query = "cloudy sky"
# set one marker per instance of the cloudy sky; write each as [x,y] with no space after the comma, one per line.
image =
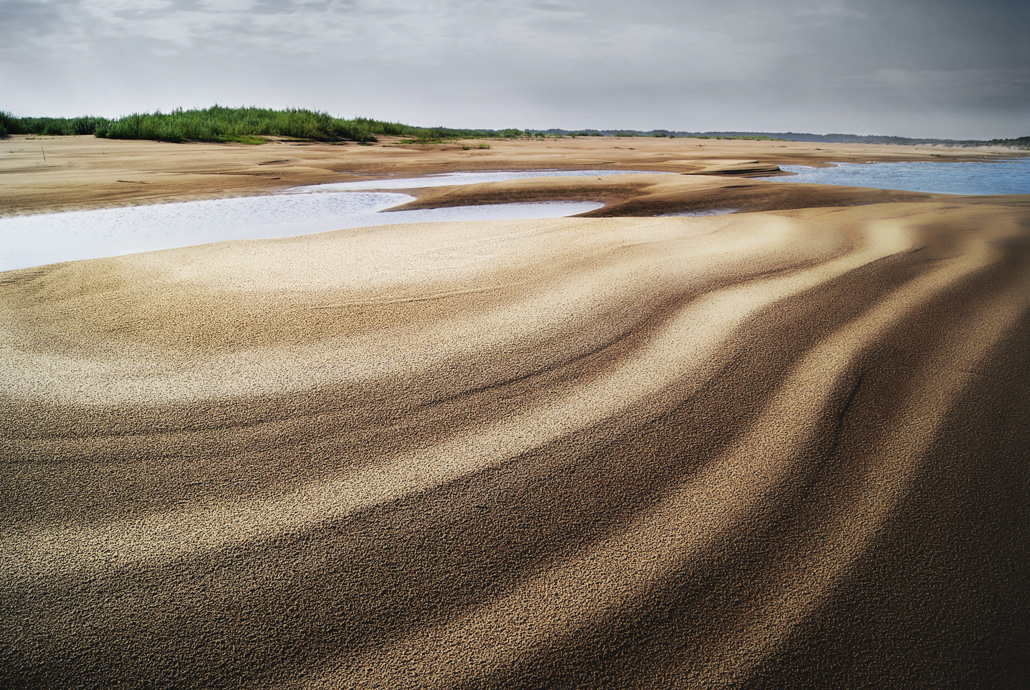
[946,68]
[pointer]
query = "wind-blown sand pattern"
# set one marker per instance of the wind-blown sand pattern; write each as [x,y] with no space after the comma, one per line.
[780,448]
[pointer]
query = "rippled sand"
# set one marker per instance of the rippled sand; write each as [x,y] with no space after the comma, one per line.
[771,449]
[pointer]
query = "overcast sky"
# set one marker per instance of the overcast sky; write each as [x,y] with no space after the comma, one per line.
[940,68]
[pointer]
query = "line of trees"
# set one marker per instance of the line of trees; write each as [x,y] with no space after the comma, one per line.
[253,125]
[248,125]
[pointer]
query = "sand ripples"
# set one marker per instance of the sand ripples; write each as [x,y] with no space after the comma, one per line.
[596,452]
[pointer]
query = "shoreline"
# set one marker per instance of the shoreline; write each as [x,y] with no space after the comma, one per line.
[83,172]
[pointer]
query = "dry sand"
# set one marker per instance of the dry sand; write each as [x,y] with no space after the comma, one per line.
[783,448]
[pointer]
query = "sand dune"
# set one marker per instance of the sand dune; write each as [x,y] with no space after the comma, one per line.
[771,449]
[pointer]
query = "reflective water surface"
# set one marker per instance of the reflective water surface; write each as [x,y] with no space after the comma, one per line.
[994,177]
[457,178]
[35,240]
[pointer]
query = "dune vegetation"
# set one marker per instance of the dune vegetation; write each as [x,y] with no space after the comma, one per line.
[221,124]
[252,125]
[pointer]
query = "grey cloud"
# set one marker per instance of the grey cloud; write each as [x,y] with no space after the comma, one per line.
[20,16]
[746,64]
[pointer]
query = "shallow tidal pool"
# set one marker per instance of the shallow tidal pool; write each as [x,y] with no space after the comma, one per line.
[35,240]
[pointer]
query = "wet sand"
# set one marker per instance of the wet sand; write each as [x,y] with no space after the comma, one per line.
[66,173]
[783,448]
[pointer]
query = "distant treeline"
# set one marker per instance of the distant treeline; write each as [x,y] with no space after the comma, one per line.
[10,124]
[252,125]
[1021,142]
[247,125]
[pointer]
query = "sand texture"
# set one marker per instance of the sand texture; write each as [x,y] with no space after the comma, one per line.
[788,447]
[66,173]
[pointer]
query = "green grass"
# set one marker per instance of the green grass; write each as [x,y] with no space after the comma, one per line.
[48,126]
[244,125]
[255,125]
[221,124]
[740,137]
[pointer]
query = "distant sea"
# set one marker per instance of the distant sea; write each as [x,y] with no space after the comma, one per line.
[1010,176]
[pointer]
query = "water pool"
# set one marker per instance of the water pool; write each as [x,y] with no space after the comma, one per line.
[457,178]
[27,241]
[968,177]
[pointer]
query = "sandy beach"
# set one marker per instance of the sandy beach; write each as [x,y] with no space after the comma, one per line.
[787,447]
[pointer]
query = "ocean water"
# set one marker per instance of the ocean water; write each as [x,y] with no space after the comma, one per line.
[995,177]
